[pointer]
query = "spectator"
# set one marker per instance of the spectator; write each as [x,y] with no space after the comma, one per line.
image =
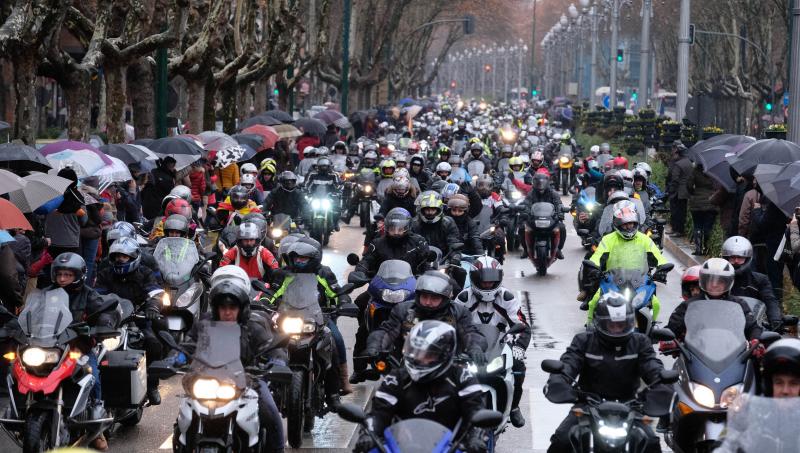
[22,252]
[63,225]
[793,245]
[769,220]
[704,213]
[331,136]
[307,140]
[680,170]
[743,185]
[91,230]
[10,291]
[159,186]
[752,198]
[228,177]
[198,185]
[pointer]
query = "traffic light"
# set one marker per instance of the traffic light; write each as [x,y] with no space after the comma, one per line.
[768,106]
[453,84]
[534,92]
[487,68]
[275,92]
[634,96]
[620,55]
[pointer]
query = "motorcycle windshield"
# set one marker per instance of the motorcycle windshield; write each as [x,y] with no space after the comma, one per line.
[566,150]
[715,331]
[282,221]
[418,435]
[302,296]
[588,197]
[217,354]
[394,272]
[765,425]
[46,315]
[543,210]
[176,257]
[367,177]
[339,162]
[628,255]
[629,278]
[475,167]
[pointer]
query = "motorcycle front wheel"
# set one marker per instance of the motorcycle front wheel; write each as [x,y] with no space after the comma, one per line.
[36,437]
[295,416]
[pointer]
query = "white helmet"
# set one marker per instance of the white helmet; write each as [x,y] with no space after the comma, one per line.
[249,168]
[486,276]
[181,191]
[557,137]
[248,181]
[235,274]
[646,167]
[443,166]
[594,151]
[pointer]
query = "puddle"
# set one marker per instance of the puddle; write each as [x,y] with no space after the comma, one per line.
[540,340]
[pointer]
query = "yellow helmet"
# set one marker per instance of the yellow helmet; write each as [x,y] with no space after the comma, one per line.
[516,160]
[269,165]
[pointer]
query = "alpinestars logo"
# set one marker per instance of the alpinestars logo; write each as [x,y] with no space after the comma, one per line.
[429,405]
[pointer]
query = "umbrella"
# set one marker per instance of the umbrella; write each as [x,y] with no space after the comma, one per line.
[10,182]
[85,163]
[342,123]
[215,141]
[287,131]
[172,146]
[143,142]
[311,126]
[413,111]
[66,145]
[783,188]
[39,189]
[116,172]
[21,157]
[722,139]
[96,141]
[12,217]
[328,116]
[4,236]
[264,120]
[4,126]
[130,154]
[254,141]
[249,152]
[229,156]
[280,115]
[184,160]
[405,101]
[770,151]
[270,135]
[716,165]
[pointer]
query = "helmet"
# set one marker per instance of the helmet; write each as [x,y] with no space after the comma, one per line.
[640,174]
[620,162]
[324,165]
[260,221]
[444,151]
[397,223]
[229,292]
[401,161]
[613,180]
[691,277]
[304,255]
[269,166]
[486,275]
[232,273]
[178,206]
[387,168]
[449,190]
[309,151]
[557,137]
[248,181]
[626,175]
[183,192]
[616,197]
[124,247]
[507,150]
[716,277]
[443,167]
[458,201]
[429,350]
[323,151]
[339,146]
[382,141]
[516,163]
[177,222]
[371,155]
[434,283]
[605,148]
[646,167]
[288,181]
[782,357]
[484,185]
[248,168]
[737,246]
[120,230]
[537,158]
[624,215]
[417,160]
[70,262]
[248,230]
[594,151]
[454,161]
[239,195]
[431,202]
[541,182]
[476,146]
[613,318]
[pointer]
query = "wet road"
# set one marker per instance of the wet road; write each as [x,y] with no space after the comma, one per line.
[548,301]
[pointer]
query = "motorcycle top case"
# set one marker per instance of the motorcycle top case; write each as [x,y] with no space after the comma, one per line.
[123,375]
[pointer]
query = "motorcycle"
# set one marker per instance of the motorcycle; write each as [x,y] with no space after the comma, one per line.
[419,434]
[586,214]
[311,352]
[184,297]
[765,425]
[565,173]
[493,240]
[322,205]
[610,426]
[542,236]
[365,194]
[281,227]
[219,411]
[654,227]
[50,381]
[715,367]
[513,198]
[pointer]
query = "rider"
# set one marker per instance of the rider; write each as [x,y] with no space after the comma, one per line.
[284,199]
[370,161]
[748,283]
[780,369]
[249,254]
[401,194]
[250,183]
[237,203]
[174,206]
[437,229]
[443,155]
[324,180]
[457,207]
[542,193]
[491,303]
[428,385]
[419,172]
[690,282]
[609,361]
[266,177]
[476,153]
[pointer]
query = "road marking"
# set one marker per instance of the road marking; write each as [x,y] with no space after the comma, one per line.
[167,445]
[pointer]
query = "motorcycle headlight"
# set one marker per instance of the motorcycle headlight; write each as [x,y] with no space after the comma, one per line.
[472,368]
[496,364]
[638,300]
[564,159]
[34,357]
[612,432]
[326,204]
[394,296]
[212,389]
[367,189]
[703,395]
[165,300]
[541,223]
[316,203]
[729,394]
[111,344]
[296,326]
[276,233]
[516,195]
[186,299]
[590,205]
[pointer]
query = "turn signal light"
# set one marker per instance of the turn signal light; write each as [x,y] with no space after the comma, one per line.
[75,355]
[684,408]
[10,356]
[380,366]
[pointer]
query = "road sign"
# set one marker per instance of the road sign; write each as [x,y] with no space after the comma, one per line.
[607,101]
[786,99]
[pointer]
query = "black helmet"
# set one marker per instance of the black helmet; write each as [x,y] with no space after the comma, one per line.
[248,230]
[340,146]
[177,222]
[323,165]
[484,185]
[613,180]
[227,292]
[70,262]
[417,160]
[476,146]
[127,247]
[288,181]
[304,255]
[429,350]
[541,182]
[614,319]
[120,230]
[239,196]
[397,224]
[260,221]
[436,283]
[782,357]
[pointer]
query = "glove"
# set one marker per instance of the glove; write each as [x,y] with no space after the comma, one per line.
[478,356]
[776,326]
[758,349]
[667,346]
[151,313]
[518,352]
[660,277]
[364,443]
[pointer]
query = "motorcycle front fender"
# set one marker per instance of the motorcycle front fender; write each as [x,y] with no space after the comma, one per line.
[247,416]
[85,384]
[184,418]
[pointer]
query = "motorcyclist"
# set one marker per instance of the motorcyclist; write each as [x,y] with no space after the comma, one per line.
[437,229]
[309,160]
[748,283]
[324,181]
[457,207]
[543,193]
[458,173]
[387,168]
[444,154]
[174,206]
[417,170]
[250,183]
[502,164]
[493,304]
[124,229]
[610,361]
[230,302]
[640,188]
[780,369]
[476,154]
[443,171]
[461,133]
[266,177]
[249,254]
[129,279]
[237,203]
[401,194]
[690,282]
[370,161]
[428,386]
[399,243]
[285,199]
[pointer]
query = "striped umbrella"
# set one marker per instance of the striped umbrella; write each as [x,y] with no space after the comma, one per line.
[39,189]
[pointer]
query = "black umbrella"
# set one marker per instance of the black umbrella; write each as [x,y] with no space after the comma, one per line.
[264,120]
[4,126]
[716,165]
[129,154]
[280,115]
[783,187]
[722,139]
[254,141]
[311,126]
[175,145]
[770,151]
[16,156]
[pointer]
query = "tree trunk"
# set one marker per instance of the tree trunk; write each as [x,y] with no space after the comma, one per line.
[77,94]
[260,97]
[228,96]
[196,101]
[210,105]
[243,102]
[143,97]
[25,91]
[115,103]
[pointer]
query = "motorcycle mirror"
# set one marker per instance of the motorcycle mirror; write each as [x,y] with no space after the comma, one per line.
[486,418]
[516,328]
[346,289]
[662,335]
[583,232]
[110,303]
[161,370]
[790,320]
[237,220]
[552,366]
[768,337]
[352,259]
[258,285]
[666,267]
[352,413]
[349,310]
[669,376]
[590,265]
[565,209]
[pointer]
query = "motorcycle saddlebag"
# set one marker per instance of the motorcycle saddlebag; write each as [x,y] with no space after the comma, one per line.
[123,375]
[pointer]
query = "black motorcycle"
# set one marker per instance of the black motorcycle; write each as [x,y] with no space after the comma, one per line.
[542,236]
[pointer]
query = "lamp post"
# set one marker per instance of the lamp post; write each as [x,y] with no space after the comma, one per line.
[683,60]
[615,5]
[794,77]
[593,61]
[523,49]
[533,47]
[644,52]
[574,14]
[504,54]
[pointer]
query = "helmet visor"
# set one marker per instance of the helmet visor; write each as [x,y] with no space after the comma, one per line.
[614,326]
[716,285]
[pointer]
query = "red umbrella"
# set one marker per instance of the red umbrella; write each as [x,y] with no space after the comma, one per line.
[268,132]
[11,217]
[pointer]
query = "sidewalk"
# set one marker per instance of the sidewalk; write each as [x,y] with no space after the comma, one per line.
[682,250]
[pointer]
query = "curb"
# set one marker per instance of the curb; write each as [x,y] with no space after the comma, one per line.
[681,250]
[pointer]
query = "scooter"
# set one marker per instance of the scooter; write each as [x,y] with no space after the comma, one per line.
[184,297]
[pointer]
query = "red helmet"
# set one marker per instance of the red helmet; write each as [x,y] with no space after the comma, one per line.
[178,206]
[691,277]
[620,162]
